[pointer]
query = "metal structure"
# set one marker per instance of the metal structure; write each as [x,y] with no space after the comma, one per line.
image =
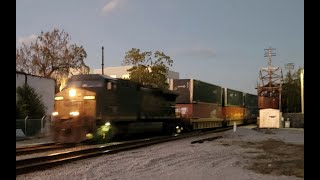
[270,85]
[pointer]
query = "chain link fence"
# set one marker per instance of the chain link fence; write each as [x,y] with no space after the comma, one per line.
[33,127]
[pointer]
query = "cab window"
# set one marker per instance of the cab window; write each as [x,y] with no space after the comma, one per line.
[111,86]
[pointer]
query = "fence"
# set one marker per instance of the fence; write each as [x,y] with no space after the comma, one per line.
[32,127]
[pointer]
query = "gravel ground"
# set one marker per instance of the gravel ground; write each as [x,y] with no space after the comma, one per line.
[247,153]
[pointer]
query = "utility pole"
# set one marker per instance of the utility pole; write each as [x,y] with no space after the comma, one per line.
[302,90]
[102,61]
[289,67]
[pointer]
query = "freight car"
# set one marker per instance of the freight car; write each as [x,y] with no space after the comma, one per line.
[204,105]
[199,104]
[100,107]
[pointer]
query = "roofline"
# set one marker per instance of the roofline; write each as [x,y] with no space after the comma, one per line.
[19,72]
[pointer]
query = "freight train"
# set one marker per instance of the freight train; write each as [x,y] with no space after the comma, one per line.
[99,107]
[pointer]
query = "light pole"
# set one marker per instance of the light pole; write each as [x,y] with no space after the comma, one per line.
[102,62]
[302,90]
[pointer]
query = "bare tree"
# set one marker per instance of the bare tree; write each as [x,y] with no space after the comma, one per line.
[51,55]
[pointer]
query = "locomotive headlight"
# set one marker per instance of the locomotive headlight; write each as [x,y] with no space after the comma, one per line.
[72,92]
[75,113]
[105,127]
[55,114]
[58,98]
[89,97]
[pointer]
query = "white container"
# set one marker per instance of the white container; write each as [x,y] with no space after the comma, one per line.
[270,118]
[287,124]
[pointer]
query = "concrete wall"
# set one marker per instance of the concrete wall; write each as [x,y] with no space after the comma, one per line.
[43,86]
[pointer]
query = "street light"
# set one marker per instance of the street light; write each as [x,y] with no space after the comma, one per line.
[302,90]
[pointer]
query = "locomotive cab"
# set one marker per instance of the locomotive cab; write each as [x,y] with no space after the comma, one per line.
[77,112]
[74,114]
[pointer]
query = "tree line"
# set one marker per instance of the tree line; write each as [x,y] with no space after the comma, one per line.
[291,92]
[52,55]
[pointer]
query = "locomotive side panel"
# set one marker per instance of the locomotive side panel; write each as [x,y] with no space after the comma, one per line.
[129,100]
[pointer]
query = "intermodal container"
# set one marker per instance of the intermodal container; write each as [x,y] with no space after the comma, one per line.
[194,91]
[250,100]
[232,97]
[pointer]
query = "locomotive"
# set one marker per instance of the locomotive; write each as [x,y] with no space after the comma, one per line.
[94,106]
[99,107]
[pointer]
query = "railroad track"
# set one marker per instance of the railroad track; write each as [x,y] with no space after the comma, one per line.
[41,148]
[40,163]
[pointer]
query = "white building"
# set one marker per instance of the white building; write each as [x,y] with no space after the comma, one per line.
[121,72]
[45,87]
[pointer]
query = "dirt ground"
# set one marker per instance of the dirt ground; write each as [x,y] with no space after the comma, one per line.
[275,157]
[241,154]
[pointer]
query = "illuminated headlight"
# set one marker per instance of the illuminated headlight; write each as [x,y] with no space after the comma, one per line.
[72,92]
[58,98]
[105,127]
[89,136]
[55,114]
[89,97]
[74,113]
[179,129]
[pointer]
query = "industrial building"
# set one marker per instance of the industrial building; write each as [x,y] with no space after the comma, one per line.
[121,72]
[45,87]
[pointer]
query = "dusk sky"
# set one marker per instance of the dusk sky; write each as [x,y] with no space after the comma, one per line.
[217,41]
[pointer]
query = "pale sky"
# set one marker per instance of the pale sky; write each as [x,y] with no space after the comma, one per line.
[217,41]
